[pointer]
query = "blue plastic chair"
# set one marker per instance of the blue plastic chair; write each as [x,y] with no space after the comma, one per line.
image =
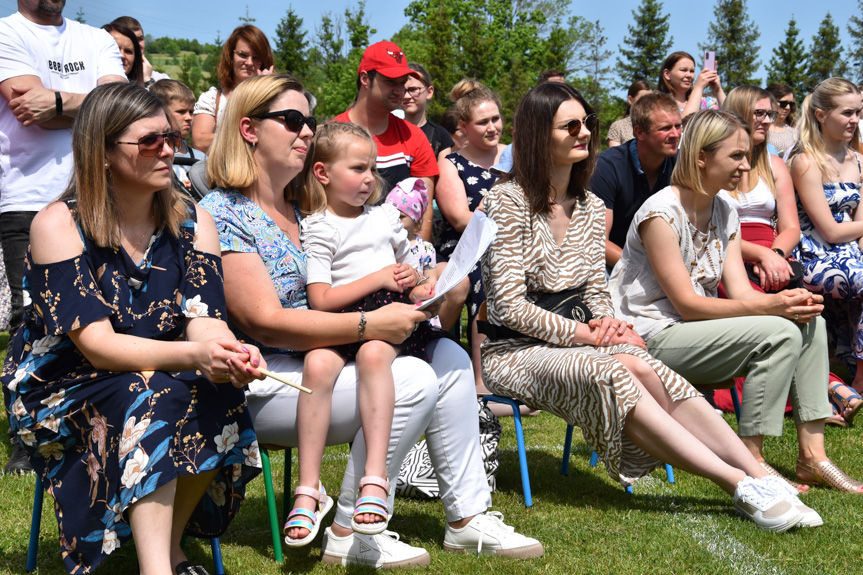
[36,524]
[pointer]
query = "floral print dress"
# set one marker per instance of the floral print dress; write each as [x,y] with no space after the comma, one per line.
[837,270]
[477,182]
[102,440]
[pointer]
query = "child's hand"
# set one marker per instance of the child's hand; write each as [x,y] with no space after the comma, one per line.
[406,276]
[423,292]
[387,278]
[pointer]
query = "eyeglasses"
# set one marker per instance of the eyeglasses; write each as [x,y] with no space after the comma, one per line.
[150,145]
[293,119]
[243,56]
[770,114]
[787,104]
[415,91]
[574,126]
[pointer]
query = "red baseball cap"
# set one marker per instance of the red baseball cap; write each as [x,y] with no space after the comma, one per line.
[388,59]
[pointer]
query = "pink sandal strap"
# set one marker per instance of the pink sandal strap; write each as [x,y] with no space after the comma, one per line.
[374,480]
[319,496]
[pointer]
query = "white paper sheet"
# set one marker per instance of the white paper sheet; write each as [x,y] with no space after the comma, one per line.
[475,239]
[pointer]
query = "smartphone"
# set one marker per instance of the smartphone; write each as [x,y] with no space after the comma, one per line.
[710,60]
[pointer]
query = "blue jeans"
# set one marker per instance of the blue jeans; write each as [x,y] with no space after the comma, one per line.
[15,236]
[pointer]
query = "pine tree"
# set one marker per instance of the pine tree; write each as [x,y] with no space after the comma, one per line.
[789,61]
[290,45]
[732,36]
[246,19]
[855,50]
[825,53]
[79,15]
[648,43]
[594,67]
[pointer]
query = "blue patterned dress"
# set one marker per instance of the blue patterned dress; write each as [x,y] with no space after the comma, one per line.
[102,440]
[835,270]
[477,182]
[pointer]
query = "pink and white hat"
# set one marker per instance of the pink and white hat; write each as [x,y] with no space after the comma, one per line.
[410,197]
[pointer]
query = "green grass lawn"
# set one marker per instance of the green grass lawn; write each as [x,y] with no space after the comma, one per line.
[586,522]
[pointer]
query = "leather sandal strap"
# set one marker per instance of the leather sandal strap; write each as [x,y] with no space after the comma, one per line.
[374,480]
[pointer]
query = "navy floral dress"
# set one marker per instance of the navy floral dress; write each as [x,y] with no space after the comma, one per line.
[836,270]
[102,440]
[477,182]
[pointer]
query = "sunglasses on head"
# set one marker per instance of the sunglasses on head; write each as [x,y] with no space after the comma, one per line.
[151,144]
[293,119]
[786,104]
[574,126]
[771,115]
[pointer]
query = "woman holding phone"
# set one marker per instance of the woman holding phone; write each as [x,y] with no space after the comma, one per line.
[678,79]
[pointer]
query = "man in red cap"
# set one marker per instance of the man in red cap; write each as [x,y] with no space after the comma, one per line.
[403,149]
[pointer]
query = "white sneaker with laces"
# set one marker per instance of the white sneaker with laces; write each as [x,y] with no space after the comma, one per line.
[759,503]
[783,488]
[381,551]
[488,534]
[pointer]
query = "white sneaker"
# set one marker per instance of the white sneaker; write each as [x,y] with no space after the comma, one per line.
[381,551]
[761,504]
[783,488]
[488,534]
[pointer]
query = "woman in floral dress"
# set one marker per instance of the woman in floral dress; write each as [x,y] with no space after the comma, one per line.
[124,382]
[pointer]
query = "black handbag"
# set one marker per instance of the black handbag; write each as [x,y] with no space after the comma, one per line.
[565,303]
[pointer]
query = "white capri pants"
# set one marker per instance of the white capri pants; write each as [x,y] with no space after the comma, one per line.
[439,401]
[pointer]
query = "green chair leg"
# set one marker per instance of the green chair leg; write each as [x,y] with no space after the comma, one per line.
[287,500]
[271,505]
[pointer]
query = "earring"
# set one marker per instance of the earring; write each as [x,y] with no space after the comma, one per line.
[254,146]
[106,165]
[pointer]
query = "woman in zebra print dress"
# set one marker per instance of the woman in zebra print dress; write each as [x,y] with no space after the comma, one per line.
[631,408]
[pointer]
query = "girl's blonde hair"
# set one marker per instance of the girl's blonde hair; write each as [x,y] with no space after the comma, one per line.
[105,114]
[741,101]
[810,141]
[705,131]
[327,147]
[231,162]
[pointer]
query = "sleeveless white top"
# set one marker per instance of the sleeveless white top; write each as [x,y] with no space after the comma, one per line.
[754,207]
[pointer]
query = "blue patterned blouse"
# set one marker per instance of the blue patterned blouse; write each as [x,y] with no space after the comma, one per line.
[244,227]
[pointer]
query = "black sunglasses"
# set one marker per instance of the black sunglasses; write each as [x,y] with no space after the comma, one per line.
[785,104]
[151,144]
[574,126]
[294,120]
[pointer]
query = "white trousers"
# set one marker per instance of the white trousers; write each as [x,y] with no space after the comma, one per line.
[438,400]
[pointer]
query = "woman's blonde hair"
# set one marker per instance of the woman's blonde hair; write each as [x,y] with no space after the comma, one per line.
[468,94]
[741,101]
[810,140]
[327,146]
[231,162]
[705,131]
[105,114]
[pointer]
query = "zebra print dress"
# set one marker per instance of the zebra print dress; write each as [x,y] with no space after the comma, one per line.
[581,384]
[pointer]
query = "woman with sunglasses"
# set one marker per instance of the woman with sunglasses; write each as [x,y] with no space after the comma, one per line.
[682,242]
[782,133]
[261,149]
[465,178]
[826,170]
[124,382]
[245,54]
[597,374]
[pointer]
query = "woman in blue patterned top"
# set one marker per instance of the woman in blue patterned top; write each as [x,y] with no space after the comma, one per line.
[826,171]
[124,382]
[259,150]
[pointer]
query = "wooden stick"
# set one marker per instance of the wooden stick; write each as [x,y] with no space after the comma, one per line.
[278,377]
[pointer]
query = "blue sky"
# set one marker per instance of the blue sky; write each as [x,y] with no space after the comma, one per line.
[689,18]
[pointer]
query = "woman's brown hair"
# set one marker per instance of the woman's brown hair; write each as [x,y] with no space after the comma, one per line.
[105,114]
[531,148]
[256,40]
